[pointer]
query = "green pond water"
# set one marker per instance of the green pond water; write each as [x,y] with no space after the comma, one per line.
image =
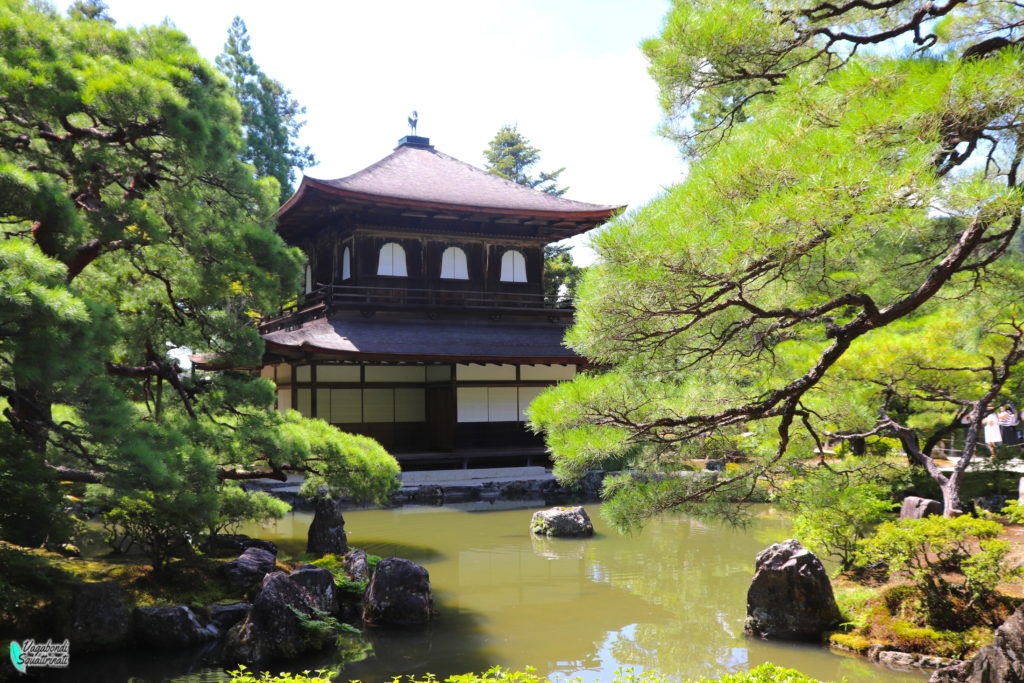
[669,598]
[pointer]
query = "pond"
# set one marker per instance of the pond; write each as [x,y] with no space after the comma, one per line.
[670,598]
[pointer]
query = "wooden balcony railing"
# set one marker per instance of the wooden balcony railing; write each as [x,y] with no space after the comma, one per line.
[339,297]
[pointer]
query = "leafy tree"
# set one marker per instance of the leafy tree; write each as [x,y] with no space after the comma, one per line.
[511,156]
[131,228]
[837,506]
[561,275]
[838,261]
[270,116]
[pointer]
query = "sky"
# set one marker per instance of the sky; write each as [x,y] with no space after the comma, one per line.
[568,73]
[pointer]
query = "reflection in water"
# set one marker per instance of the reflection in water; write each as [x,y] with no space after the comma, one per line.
[669,598]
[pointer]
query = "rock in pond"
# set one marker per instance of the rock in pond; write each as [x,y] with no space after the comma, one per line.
[274,629]
[356,565]
[99,618]
[226,616]
[327,531]
[1000,662]
[915,507]
[790,596]
[398,595]
[319,586]
[562,521]
[174,626]
[250,568]
[226,545]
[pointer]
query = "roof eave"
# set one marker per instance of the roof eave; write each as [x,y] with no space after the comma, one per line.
[598,215]
[307,348]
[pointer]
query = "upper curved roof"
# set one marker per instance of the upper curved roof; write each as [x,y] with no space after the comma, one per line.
[416,174]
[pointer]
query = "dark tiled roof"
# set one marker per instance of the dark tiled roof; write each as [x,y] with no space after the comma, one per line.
[409,339]
[419,173]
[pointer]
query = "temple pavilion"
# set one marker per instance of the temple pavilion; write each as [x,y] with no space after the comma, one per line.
[424,323]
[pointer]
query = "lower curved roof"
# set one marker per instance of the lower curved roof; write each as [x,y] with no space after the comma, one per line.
[425,340]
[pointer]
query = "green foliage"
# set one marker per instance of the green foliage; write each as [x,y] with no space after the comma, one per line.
[1014,512]
[335,565]
[510,155]
[876,446]
[853,601]
[897,618]
[764,673]
[243,675]
[838,505]
[236,505]
[133,234]
[561,275]
[33,511]
[818,270]
[270,116]
[161,526]
[320,622]
[956,563]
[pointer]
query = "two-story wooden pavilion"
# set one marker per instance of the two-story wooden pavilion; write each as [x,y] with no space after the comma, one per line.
[424,323]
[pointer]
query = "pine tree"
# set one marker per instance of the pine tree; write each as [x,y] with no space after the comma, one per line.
[511,156]
[271,118]
[838,263]
[130,228]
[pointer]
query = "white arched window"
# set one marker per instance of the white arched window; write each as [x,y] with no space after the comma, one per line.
[346,264]
[513,266]
[309,278]
[392,260]
[453,264]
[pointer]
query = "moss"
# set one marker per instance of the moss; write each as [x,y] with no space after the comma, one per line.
[850,641]
[895,617]
[855,603]
[36,585]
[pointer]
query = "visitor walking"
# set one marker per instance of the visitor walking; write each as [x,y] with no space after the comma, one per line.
[993,434]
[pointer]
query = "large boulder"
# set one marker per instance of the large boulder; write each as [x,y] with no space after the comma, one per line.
[319,586]
[174,626]
[327,531]
[100,620]
[249,569]
[279,625]
[562,521]
[790,596]
[917,508]
[398,595]
[1000,662]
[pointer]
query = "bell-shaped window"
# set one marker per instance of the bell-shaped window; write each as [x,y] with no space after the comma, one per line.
[392,260]
[513,266]
[346,263]
[453,264]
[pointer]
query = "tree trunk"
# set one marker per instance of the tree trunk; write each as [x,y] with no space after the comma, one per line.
[951,495]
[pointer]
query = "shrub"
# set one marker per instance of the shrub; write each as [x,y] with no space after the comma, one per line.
[955,563]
